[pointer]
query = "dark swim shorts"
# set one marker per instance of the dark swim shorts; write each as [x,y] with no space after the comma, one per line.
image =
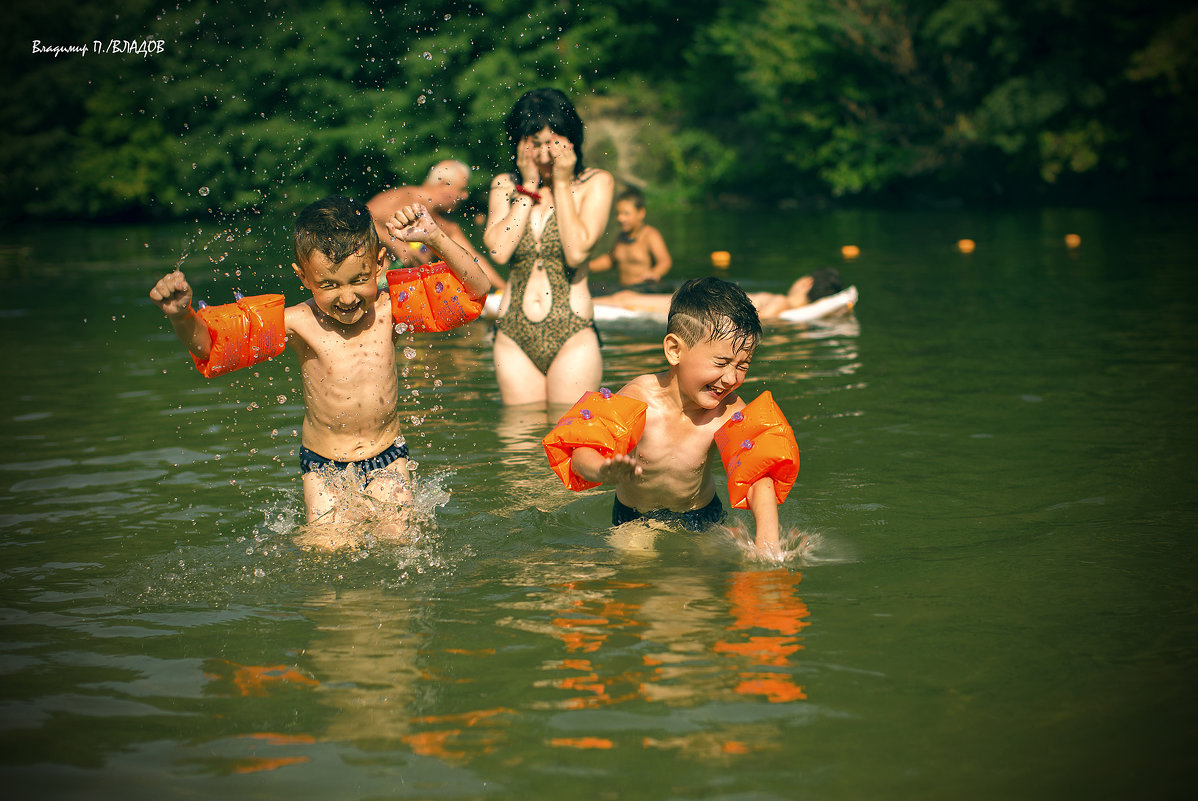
[695,520]
[311,460]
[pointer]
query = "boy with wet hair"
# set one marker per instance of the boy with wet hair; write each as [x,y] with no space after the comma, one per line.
[345,338]
[689,412]
[640,253]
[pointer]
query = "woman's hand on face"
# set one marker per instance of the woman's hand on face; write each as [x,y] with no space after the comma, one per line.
[563,158]
[526,163]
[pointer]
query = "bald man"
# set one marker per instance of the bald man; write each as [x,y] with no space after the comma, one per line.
[443,188]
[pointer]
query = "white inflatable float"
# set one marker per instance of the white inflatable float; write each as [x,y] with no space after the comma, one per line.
[840,303]
[830,306]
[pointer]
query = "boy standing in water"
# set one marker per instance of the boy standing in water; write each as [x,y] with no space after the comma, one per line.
[344,336]
[640,252]
[664,473]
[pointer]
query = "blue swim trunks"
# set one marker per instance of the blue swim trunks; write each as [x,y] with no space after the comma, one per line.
[694,520]
[311,460]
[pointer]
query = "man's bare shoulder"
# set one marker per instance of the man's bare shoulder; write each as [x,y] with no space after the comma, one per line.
[386,202]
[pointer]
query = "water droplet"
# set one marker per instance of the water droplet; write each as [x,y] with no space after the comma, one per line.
[204,191]
[259,572]
[436,382]
[281,399]
[409,353]
[420,100]
[427,56]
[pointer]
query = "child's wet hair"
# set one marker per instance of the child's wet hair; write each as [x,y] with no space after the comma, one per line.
[338,227]
[539,109]
[824,283]
[634,196]
[708,309]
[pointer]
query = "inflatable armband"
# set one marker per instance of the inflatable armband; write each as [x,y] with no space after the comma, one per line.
[243,333]
[758,442]
[608,423]
[430,298]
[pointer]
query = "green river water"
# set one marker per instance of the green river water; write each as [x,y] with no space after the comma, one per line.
[991,591]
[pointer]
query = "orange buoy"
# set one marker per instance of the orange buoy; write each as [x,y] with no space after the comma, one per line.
[1072,241]
[966,245]
[721,259]
[850,251]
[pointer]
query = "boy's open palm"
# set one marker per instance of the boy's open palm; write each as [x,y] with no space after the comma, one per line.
[619,468]
[172,293]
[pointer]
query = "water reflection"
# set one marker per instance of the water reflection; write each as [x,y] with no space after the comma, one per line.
[683,637]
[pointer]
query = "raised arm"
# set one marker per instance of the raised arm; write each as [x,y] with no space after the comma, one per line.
[173,294]
[414,223]
[582,208]
[458,235]
[507,215]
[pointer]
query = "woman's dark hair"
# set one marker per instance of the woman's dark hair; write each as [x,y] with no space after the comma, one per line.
[541,108]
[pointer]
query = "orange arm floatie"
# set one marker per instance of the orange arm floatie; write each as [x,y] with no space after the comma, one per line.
[430,298]
[608,423]
[249,331]
[758,442]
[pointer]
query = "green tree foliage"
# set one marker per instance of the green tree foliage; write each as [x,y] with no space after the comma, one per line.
[859,96]
[253,105]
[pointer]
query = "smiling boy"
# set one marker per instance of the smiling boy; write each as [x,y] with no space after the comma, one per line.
[345,338]
[691,412]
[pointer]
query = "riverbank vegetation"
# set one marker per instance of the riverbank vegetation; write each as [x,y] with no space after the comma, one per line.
[246,106]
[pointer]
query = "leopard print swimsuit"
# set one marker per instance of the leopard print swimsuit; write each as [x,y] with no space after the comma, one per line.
[541,339]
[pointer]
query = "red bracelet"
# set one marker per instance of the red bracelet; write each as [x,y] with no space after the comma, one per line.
[536,196]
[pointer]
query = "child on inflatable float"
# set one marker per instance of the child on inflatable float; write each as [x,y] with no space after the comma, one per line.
[654,439]
[344,335]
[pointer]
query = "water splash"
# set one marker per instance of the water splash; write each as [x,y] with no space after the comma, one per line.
[796,548]
[359,522]
[267,561]
[187,248]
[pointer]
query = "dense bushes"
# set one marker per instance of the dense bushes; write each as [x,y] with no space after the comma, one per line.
[249,105]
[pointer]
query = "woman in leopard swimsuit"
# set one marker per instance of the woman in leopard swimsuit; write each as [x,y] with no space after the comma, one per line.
[543,220]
